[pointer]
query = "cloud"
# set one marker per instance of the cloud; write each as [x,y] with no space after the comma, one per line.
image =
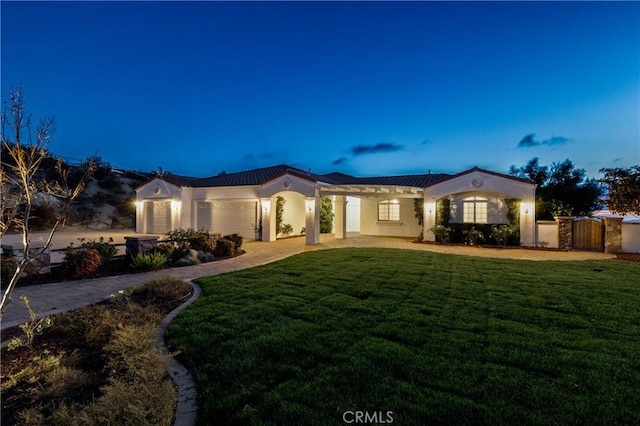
[529,141]
[339,161]
[556,140]
[374,149]
[617,160]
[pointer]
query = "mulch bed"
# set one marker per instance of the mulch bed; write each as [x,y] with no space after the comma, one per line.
[629,257]
[90,360]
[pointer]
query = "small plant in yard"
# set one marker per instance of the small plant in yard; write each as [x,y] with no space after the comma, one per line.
[153,260]
[225,248]
[80,262]
[502,233]
[287,229]
[472,236]
[543,244]
[31,328]
[441,232]
[106,248]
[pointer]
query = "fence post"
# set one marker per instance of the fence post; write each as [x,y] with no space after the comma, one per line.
[565,232]
[135,245]
[612,234]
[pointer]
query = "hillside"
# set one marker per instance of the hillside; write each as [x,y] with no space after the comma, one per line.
[107,201]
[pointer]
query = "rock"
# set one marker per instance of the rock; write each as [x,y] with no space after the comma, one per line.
[205,256]
[188,260]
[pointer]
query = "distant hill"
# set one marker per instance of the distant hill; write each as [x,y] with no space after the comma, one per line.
[107,201]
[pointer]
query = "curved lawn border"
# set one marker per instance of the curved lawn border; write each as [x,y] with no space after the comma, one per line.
[187,407]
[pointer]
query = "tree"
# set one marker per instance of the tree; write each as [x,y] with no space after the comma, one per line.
[562,189]
[22,179]
[326,215]
[623,194]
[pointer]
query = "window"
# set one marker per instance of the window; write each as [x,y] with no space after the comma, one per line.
[474,210]
[389,210]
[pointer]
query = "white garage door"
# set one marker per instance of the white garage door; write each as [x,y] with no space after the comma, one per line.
[234,218]
[158,217]
[203,216]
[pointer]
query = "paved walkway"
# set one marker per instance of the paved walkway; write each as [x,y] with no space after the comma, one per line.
[49,299]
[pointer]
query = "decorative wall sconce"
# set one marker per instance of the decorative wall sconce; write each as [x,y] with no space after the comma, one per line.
[309,205]
[266,204]
[175,204]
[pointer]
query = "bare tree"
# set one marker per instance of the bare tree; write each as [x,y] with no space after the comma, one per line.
[24,149]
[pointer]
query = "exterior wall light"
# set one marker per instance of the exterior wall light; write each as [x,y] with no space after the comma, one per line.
[310,205]
[266,204]
[139,204]
[175,204]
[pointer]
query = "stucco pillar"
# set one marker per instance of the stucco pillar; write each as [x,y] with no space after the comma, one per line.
[312,219]
[268,207]
[341,216]
[429,218]
[140,222]
[612,234]
[186,209]
[527,223]
[565,232]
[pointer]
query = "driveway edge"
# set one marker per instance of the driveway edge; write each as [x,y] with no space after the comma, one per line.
[187,407]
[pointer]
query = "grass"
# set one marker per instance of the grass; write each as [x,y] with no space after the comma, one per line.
[433,338]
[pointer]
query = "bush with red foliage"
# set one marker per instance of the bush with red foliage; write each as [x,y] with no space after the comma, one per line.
[80,262]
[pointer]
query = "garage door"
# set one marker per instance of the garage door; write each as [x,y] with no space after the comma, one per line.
[158,217]
[203,216]
[232,218]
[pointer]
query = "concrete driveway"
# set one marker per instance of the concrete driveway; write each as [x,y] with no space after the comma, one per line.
[49,299]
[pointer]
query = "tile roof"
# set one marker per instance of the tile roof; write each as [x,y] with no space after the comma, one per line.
[266,174]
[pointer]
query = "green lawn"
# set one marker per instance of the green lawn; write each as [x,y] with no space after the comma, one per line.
[434,338]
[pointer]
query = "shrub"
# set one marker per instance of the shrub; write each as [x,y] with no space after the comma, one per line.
[236,238]
[149,261]
[287,229]
[472,236]
[502,233]
[165,289]
[106,248]
[80,262]
[197,240]
[225,248]
[7,269]
[441,232]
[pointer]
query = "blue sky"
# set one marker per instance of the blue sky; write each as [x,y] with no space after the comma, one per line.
[367,88]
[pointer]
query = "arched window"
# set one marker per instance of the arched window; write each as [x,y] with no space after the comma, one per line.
[474,210]
[389,210]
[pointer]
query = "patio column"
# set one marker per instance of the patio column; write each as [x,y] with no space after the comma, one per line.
[312,219]
[341,216]
[141,226]
[267,205]
[429,218]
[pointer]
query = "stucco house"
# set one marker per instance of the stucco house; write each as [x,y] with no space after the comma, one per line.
[384,205]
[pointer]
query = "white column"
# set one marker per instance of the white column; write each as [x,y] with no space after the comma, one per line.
[429,217]
[312,219]
[141,226]
[341,216]
[268,219]
[528,220]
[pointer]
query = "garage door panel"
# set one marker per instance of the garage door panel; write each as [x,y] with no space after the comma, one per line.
[159,217]
[234,217]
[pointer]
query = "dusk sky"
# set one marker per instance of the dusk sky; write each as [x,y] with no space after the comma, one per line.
[366,88]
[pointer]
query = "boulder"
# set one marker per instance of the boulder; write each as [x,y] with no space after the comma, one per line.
[204,256]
